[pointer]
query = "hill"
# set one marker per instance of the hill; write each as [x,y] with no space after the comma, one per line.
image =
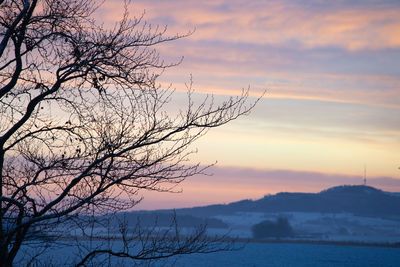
[347,213]
[359,200]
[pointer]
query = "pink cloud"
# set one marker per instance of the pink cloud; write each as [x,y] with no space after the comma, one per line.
[229,184]
[279,22]
[261,42]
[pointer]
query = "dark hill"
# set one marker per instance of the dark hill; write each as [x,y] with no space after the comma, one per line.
[359,200]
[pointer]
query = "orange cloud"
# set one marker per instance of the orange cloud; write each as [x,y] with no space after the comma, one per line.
[233,184]
[280,22]
[265,28]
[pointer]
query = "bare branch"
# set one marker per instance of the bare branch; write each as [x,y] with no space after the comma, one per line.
[85,126]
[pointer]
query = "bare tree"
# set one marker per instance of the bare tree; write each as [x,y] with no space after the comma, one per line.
[84,124]
[149,249]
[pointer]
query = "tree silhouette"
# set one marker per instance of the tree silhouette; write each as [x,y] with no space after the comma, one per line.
[84,124]
[278,229]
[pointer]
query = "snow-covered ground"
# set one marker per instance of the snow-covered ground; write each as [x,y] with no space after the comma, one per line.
[306,226]
[251,254]
[319,226]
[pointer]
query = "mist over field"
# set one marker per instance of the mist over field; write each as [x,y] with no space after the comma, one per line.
[355,213]
[349,225]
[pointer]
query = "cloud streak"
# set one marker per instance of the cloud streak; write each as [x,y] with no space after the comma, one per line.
[332,74]
[231,184]
[345,51]
[347,25]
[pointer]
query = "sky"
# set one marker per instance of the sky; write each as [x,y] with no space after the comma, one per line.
[331,72]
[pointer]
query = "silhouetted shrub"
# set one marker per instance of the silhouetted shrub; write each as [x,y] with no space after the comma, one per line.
[279,228]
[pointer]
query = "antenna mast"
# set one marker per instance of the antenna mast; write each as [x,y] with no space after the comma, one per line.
[365,174]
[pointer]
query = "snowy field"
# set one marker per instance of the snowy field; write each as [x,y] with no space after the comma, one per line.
[258,254]
[319,226]
[297,255]
[324,227]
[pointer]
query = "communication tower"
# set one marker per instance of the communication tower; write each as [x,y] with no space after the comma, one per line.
[365,175]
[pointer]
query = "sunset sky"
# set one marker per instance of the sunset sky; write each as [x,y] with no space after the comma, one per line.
[331,70]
